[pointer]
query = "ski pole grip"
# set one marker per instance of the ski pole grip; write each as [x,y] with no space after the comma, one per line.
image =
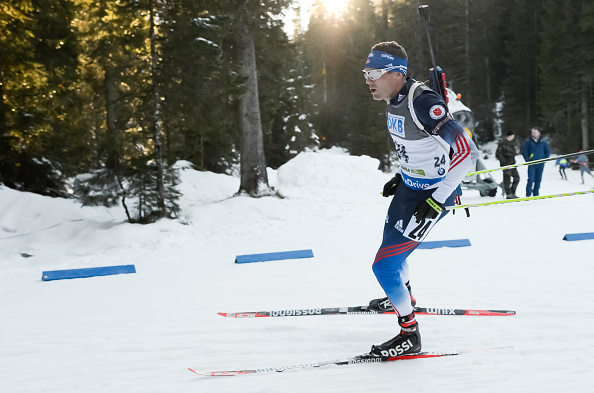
[424,11]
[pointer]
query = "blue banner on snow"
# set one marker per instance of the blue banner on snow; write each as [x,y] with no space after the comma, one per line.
[446,243]
[87,272]
[578,236]
[274,256]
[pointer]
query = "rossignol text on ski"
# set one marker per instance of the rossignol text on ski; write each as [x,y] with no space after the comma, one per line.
[364,358]
[362,310]
[387,356]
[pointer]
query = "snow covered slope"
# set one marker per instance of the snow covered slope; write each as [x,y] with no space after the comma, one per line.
[139,332]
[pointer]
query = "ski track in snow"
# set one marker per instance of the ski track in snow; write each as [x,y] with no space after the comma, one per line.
[139,332]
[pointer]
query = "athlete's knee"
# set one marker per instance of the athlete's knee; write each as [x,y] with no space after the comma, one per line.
[387,268]
[378,270]
[387,276]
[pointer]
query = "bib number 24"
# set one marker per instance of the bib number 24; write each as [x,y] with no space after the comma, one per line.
[418,229]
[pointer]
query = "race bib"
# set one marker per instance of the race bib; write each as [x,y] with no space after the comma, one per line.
[417,229]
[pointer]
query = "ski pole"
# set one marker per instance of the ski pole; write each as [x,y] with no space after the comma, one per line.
[518,200]
[531,162]
[424,11]
[436,75]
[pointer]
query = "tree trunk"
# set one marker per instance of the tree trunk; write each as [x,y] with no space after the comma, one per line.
[467,45]
[584,106]
[489,113]
[157,116]
[3,130]
[112,158]
[528,103]
[4,143]
[254,179]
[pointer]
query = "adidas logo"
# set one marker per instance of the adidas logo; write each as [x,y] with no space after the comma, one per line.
[398,226]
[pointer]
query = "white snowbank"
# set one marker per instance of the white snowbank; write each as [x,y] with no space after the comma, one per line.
[205,187]
[139,332]
[329,170]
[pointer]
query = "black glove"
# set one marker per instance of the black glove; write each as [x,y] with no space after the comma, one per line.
[429,208]
[391,186]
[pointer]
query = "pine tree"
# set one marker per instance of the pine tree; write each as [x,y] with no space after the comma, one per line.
[37,54]
[567,80]
[254,179]
[157,122]
[298,109]
[274,57]
[200,84]
[522,76]
[253,19]
[129,148]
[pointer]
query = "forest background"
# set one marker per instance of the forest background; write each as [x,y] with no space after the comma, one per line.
[99,99]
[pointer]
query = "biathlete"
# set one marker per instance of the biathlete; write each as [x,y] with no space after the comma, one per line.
[582,159]
[435,153]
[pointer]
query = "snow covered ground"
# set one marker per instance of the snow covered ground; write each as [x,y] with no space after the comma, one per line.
[140,332]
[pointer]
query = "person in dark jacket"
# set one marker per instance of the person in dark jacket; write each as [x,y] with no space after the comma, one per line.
[534,148]
[506,154]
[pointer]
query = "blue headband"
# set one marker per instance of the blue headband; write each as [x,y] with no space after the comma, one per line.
[380,60]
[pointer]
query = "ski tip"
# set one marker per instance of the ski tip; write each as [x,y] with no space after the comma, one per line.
[491,313]
[243,314]
[462,311]
[500,312]
[215,373]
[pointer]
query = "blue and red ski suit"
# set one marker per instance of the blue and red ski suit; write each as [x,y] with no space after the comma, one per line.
[433,161]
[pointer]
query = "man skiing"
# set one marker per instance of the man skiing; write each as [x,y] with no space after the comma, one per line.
[563,164]
[582,159]
[435,154]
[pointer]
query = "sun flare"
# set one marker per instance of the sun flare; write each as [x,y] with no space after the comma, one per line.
[335,6]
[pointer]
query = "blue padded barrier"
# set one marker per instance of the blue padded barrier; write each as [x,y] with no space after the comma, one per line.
[274,256]
[87,272]
[445,243]
[579,236]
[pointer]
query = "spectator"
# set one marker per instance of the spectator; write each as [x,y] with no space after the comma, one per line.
[533,149]
[506,154]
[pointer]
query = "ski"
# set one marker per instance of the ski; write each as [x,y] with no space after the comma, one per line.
[365,358]
[362,310]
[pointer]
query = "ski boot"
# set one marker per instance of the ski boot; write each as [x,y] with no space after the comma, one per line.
[407,342]
[384,305]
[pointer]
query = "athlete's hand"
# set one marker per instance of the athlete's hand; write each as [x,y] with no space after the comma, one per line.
[391,186]
[429,208]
